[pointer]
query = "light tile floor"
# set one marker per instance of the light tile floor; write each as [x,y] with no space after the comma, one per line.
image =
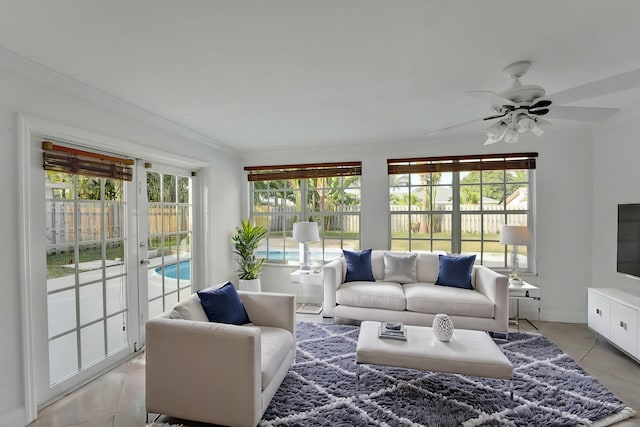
[117,398]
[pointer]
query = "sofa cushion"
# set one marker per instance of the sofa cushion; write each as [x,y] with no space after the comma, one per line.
[358,266]
[400,268]
[455,271]
[275,344]
[427,266]
[223,305]
[189,309]
[429,298]
[385,295]
[377,264]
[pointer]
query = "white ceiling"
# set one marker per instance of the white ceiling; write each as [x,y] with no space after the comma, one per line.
[269,74]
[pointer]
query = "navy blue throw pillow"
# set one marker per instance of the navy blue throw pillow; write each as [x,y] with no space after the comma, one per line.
[358,266]
[456,271]
[223,305]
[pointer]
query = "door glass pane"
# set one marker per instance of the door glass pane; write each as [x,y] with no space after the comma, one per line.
[59,216]
[89,221]
[116,333]
[115,259]
[170,300]
[61,311]
[183,189]
[90,303]
[63,357]
[92,344]
[114,220]
[169,188]
[116,295]
[184,218]
[155,307]
[60,265]
[90,264]
[153,187]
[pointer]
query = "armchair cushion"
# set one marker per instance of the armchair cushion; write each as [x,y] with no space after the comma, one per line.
[223,305]
[456,271]
[275,344]
[358,266]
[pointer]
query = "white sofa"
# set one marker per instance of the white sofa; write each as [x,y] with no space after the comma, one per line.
[485,307]
[215,372]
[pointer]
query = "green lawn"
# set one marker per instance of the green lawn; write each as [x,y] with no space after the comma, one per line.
[56,262]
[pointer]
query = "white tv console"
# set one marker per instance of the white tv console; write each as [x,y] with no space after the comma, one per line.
[615,315]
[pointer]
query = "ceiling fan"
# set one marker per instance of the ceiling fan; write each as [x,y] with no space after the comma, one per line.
[521,108]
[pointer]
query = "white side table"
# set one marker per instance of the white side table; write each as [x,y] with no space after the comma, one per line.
[525,291]
[304,278]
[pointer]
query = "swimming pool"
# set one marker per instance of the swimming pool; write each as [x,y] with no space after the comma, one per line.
[294,254]
[173,271]
[183,269]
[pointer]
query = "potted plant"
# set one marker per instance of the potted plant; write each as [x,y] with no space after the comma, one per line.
[245,243]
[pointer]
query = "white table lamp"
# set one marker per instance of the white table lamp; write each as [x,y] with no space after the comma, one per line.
[515,235]
[305,232]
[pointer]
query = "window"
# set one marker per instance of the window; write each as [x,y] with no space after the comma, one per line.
[458,204]
[326,193]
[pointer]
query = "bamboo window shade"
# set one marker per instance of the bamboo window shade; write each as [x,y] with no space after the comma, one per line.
[482,162]
[308,170]
[78,162]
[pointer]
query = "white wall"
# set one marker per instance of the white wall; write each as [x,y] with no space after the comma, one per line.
[616,179]
[26,95]
[564,203]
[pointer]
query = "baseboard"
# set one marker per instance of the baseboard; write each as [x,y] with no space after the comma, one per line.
[14,418]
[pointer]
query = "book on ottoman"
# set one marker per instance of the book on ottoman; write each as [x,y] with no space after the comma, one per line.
[393,331]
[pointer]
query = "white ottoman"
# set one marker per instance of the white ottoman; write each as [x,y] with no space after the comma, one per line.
[467,353]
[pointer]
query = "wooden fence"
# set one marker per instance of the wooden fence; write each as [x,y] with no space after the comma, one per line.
[60,217]
[282,218]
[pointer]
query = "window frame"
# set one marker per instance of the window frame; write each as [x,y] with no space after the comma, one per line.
[301,174]
[457,165]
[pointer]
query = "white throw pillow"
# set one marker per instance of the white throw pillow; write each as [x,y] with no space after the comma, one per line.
[400,268]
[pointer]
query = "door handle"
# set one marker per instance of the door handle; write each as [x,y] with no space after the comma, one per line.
[598,311]
[145,262]
[623,324]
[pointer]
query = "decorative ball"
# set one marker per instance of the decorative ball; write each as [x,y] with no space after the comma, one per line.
[443,327]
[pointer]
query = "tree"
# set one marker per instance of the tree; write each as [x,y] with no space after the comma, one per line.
[328,194]
[470,194]
[428,179]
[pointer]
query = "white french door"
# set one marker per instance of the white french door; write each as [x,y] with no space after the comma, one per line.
[169,229]
[91,312]
[165,240]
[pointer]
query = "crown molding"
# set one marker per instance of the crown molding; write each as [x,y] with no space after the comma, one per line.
[30,68]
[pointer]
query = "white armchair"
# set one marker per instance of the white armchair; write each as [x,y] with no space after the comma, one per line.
[219,373]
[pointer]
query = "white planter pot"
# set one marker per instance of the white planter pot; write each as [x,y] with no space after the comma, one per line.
[252,285]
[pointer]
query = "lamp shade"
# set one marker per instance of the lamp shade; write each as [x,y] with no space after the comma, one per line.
[514,235]
[305,232]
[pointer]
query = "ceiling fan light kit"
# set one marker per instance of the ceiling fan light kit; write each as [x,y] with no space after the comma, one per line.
[519,108]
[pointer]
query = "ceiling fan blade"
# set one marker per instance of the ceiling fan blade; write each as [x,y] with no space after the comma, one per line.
[587,114]
[539,111]
[497,116]
[491,97]
[454,126]
[613,84]
[541,103]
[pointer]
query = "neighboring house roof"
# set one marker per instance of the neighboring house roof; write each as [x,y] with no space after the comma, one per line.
[518,199]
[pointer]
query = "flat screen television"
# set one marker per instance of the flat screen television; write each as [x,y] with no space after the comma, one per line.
[628,259]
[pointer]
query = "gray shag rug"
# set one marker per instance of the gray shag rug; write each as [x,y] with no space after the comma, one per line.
[550,389]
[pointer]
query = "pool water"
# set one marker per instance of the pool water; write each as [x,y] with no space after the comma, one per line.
[182,270]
